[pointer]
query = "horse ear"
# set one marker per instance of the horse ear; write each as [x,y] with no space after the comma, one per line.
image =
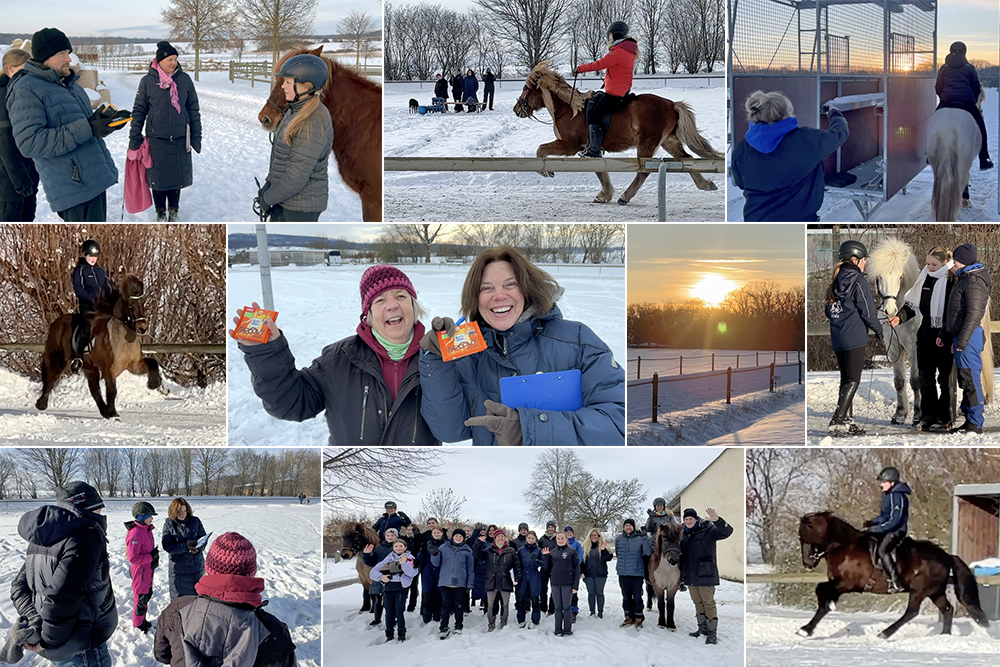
[318,50]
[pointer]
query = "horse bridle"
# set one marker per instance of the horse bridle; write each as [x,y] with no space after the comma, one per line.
[128,319]
[674,550]
[522,105]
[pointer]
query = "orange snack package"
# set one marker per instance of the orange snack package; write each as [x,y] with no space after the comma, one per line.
[251,326]
[468,339]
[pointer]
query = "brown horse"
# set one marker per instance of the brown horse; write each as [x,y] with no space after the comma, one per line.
[355,105]
[925,570]
[356,537]
[663,577]
[646,123]
[115,330]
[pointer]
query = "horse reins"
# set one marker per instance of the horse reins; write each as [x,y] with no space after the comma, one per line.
[522,105]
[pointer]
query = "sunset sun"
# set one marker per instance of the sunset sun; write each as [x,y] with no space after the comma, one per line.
[712,289]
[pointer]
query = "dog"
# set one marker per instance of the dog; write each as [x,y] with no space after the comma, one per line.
[414,105]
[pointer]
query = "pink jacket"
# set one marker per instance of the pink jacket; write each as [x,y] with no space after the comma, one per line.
[139,545]
[137,195]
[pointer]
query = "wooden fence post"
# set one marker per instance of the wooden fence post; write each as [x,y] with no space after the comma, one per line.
[729,384]
[681,372]
[713,361]
[772,378]
[656,395]
[638,367]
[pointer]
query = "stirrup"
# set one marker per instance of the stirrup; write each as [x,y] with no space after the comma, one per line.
[75,365]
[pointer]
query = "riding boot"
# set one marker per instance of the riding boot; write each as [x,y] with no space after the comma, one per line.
[889,566]
[702,626]
[711,625]
[596,138]
[841,417]
[173,215]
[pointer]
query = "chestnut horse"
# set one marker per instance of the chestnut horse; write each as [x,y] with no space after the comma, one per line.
[356,536]
[663,578]
[355,105]
[646,123]
[924,568]
[115,330]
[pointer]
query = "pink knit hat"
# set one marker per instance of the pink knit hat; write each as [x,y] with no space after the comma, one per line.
[231,553]
[380,278]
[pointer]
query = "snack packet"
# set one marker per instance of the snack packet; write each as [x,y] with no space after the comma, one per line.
[251,326]
[468,339]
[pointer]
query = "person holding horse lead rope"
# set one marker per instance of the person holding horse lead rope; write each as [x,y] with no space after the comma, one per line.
[890,524]
[851,310]
[90,283]
[700,569]
[619,63]
[297,185]
[958,87]
[935,360]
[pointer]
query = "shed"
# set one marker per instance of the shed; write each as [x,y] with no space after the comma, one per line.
[975,521]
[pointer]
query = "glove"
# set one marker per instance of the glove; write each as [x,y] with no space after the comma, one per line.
[99,125]
[196,145]
[192,546]
[502,421]
[259,207]
[868,523]
[879,337]
[155,556]
[433,550]
[135,145]
[25,192]
[121,114]
[429,343]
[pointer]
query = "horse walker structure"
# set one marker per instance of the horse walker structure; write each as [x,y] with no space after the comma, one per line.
[875,60]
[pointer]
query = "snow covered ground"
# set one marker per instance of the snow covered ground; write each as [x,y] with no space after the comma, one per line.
[874,406]
[348,639]
[666,361]
[915,205]
[417,196]
[285,534]
[319,305]
[188,416]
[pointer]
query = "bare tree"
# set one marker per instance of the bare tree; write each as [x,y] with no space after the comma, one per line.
[592,23]
[534,26]
[211,461]
[648,17]
[355,27]
[550,491]
[8,475]
[600,503]
[198,22]
[771,474]
[277,23]
[565,239]
[154,471]
[187,469]
[597,240]
[443,504]
[359,477]
[56,466]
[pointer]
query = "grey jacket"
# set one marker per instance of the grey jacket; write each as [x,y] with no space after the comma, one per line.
[298,178]
[212,628]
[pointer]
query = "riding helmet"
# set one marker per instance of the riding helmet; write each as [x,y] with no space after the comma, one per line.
[959,48]
[306,67]
[90,247]
[389,504]
[849,249]
[142,509]
[889,474]
[618,29]
[659,501]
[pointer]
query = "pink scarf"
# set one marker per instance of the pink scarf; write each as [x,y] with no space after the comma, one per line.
[167,81]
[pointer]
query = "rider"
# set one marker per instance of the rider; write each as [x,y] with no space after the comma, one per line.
[89,282]
[851,311]
[619,63]
[658,516]
[958,87]
[890,525]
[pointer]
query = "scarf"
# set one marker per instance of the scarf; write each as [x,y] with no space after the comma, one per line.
[167,81]
[937,295]
[396,351]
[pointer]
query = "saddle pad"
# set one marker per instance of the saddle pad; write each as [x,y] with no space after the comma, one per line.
[559,391]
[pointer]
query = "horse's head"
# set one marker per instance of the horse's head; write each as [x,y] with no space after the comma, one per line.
[133,313]
[531,99]
[356,536]
[668,542]
[892,268]
[270,115]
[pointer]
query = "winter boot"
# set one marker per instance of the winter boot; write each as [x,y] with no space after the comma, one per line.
[967,427]
[889,567]
[702,627]
[492,627]
[840,422]
[174,216]
[638,623]
[145,626]
[161,215]
[596,138]
[627,622]
[711,625]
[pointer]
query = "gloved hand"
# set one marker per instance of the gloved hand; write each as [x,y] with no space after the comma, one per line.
[155,556]
[261,208]
[192,546]
[433,549]
[135,144]
[119,115]
[26,192]
[430,343]
[100,126]
[880,338]
[502,421]
[196,145]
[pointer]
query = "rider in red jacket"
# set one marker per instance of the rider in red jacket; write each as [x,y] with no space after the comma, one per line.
[617,82]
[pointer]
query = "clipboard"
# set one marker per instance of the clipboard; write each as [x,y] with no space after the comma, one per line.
[559,391]
[203,540]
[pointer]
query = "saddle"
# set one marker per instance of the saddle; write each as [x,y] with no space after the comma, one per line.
[873,542]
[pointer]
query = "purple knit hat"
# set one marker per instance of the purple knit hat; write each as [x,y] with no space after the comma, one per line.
[380,278]
[231,553]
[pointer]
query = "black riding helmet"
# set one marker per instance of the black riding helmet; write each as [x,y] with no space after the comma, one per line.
[618,29]
[959,48]
[306,68]
[389,504]
[90,247]
[889,474]
[142,509]
[659,501]
[849,249]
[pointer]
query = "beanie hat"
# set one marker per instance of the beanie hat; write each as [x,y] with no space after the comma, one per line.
[551,523]
[568,529]
[164,50]
[689,512]
[458,531]
[380,278]
[231,553]
[47,42]
[81,495]
[522,525]
[629,522]
[392,530]
[498,533]
[966,254]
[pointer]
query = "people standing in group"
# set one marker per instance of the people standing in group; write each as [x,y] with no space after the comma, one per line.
[430,575]
[54,125]
[563,566]
[143,558]
[457,573]
[935,360]
[395,572]
[166,108]
[180,538]
[529,586]
[503,568]
[700,569]
[18,176]
[631,547]
[594,571]
[372,555]
[548,541]
[90,283]
[470,90]
[489,88]
[441,90]
[457,85]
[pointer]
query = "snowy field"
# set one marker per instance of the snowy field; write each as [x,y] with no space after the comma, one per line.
[915,205]
[320,305]
[874,406]
[285,534]
[188,416]
[514,196]
[598,642]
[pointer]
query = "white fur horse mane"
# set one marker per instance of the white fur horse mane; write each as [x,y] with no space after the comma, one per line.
[550,82]
[893,258]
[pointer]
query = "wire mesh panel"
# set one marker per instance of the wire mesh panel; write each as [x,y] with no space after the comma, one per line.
[768,37]
[838,54]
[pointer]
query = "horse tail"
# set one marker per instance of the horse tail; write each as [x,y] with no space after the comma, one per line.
[987,357]
[946,196]
[687,132]
[967,590]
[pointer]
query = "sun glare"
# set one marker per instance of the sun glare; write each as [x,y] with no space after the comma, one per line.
[712,289]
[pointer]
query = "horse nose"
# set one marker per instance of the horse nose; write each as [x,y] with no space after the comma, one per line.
[142,328]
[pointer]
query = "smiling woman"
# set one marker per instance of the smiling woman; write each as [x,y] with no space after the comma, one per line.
[713,289]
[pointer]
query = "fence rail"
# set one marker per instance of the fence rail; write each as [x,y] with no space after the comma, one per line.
[252,70]
[340,583]
[690,357]
[155,348]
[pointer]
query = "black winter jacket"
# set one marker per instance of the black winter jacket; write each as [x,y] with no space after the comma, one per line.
[595,562]
[957,81]
[489,81]
[185,568]
[399,521]
[562,564]
[65,582]
[441,88]
[153,111]
[499,566]
[456,86]
[89,283]
[16,171]
[967,303]
[699,566]
[853,313]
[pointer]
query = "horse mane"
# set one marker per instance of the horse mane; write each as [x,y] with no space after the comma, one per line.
[545,78]
[338,70]
[892,256]
[371,537]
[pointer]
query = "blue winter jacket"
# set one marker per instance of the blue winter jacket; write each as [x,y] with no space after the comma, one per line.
[853,313]
[89,283]
[455,565]
[470,86]
[399,521]
[630,549]
[895,510]
[50,118]
[531,567]
[457,390]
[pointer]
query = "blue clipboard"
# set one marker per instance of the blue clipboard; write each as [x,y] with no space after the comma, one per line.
[560,391]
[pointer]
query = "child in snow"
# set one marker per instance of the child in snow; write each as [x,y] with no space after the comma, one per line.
[430,608]
[395,571]
[563,566]
[144,557]
[619,63]
[529,587]
[890,524]
[454,561]
[502,563]
[371,556]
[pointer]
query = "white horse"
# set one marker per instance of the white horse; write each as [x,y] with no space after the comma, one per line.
[953,141]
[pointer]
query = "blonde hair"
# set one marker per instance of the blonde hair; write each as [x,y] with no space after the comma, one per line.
[601,544]
[298,122]
[768,108]
[830,297]
[15,58]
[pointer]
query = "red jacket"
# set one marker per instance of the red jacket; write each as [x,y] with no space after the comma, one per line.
[619,62]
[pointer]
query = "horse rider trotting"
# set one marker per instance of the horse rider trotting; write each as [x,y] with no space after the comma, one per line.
[90,282]
[890,525]
[958,87]
[617,83]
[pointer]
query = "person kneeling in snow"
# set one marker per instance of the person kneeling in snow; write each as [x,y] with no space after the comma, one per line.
[143,557]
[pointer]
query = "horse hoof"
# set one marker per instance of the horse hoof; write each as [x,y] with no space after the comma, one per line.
[883,635]
[42,403]
[547,174]
[113,414]
[966,203]
[709,186]
[894,421]
[802,632]
[622,202]
[163,390]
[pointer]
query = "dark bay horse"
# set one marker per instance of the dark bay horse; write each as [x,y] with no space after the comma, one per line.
[356,536]
[115,329]
[663,577]
[355,105]
[925,570]
[646,123]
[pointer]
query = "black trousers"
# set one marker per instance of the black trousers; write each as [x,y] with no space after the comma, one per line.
[95,210]
[934,365]
[851,364]
[452,601]
[281,214]
[167,199]
[600,107]
[632,596]
[18,210]
[488,98]
[563,595]
[395,605]
[977,115]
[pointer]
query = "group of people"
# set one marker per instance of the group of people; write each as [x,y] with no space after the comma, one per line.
[542,573]
[951,295]
[49,133]
[465,89]
[67,606]
[388,384]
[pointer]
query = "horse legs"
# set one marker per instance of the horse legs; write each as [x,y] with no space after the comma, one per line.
[650,595]
[912,609]
[947,611]
[674,146]
[371,205]
[366,602]
[111,385]
[826,595]
[53,366]
[670,610]
[644,151]
[147,366]
[899,382]
[557,147]
[94,382]
[662,623]
[607,192]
